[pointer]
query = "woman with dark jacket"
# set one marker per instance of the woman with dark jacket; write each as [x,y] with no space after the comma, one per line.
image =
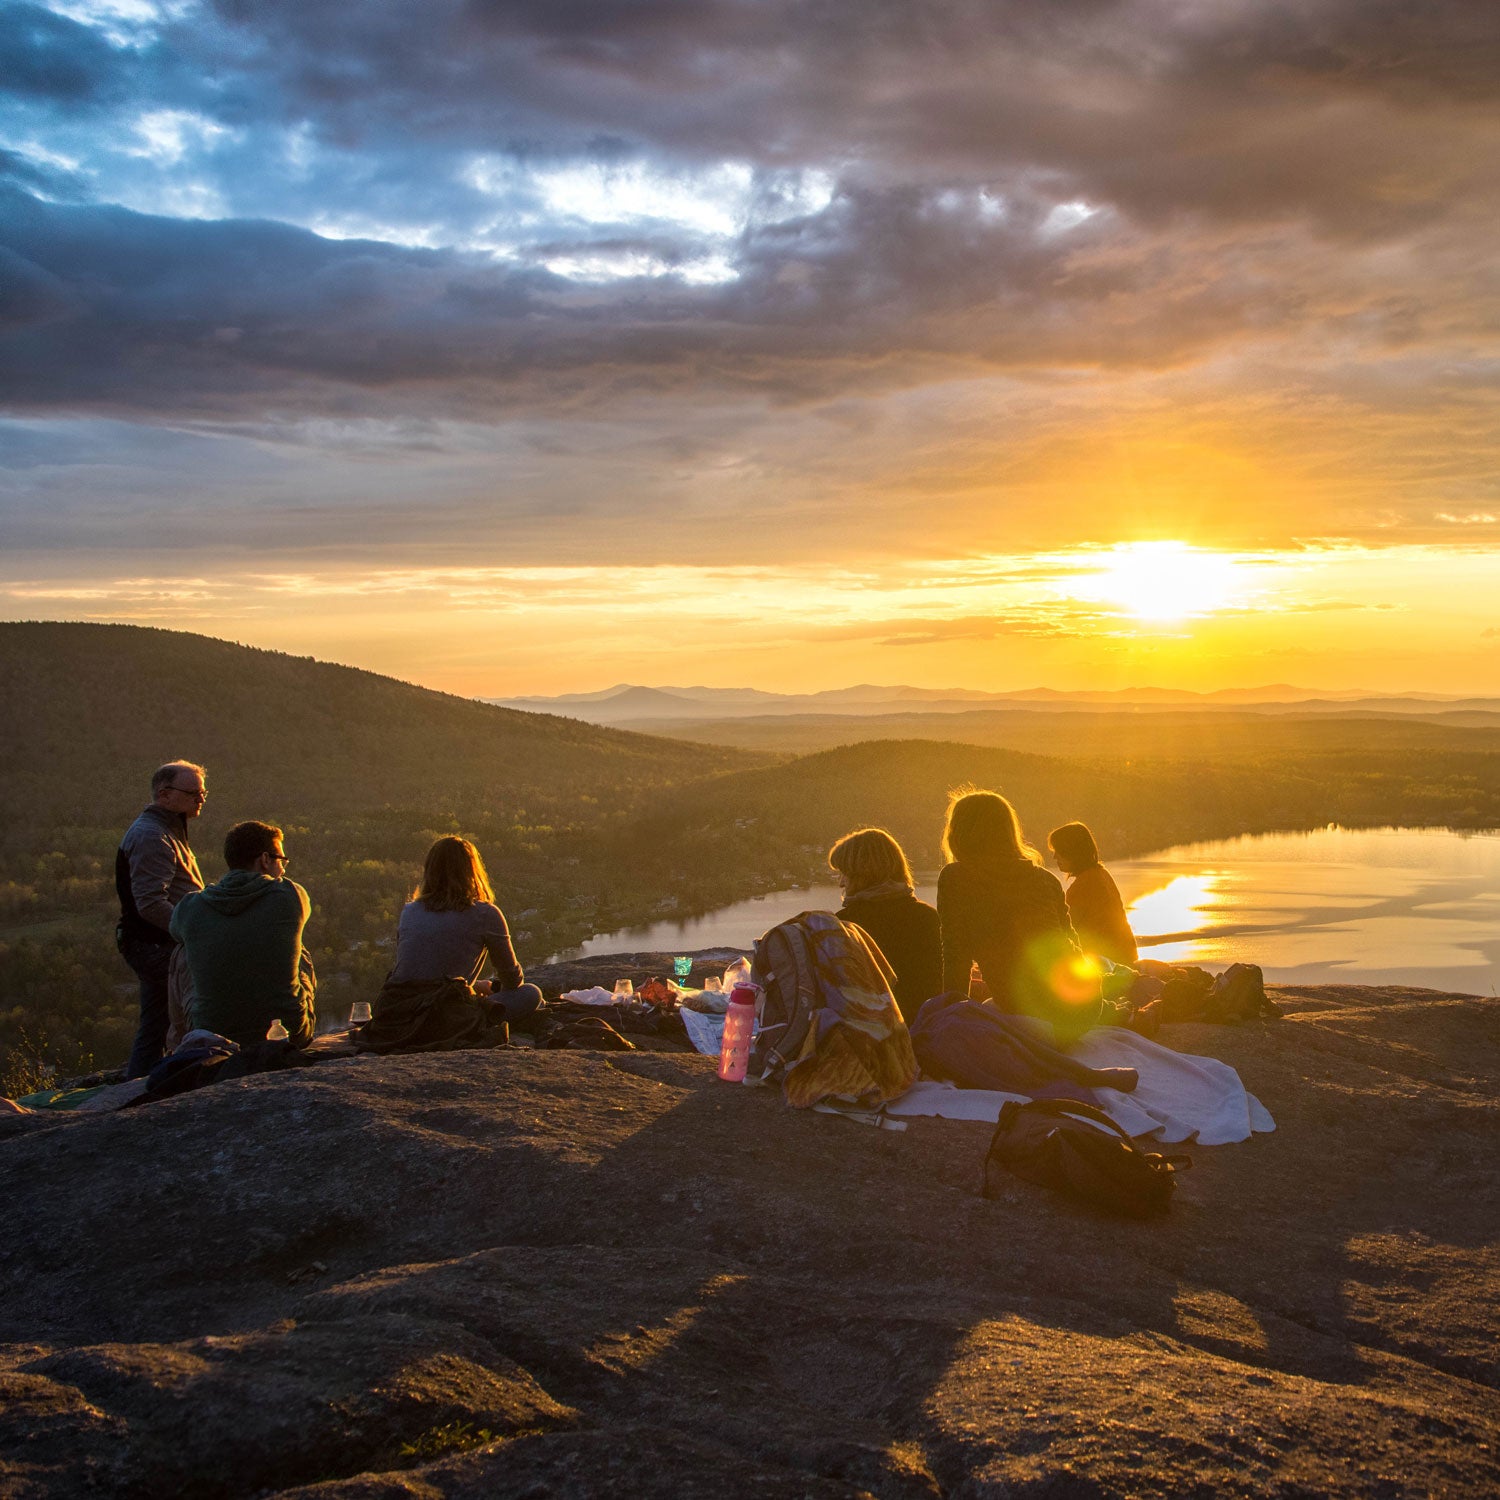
[879,898]
[1000,909]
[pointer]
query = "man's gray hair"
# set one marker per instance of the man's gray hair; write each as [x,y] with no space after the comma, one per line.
[165,776]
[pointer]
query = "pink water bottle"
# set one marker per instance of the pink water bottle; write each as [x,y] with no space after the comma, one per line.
[739,1022]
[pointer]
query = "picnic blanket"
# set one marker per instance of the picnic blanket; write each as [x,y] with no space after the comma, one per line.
[1177,1097]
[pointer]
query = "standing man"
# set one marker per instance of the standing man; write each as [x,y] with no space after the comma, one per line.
[242,938]
[154,870]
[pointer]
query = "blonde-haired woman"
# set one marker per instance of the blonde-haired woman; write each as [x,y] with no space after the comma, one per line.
[880,898]
[451,925]
[1000,909]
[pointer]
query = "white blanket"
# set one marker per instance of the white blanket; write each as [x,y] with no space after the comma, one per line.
[1178,1098]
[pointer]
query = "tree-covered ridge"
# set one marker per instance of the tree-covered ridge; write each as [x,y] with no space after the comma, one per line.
[91,704]
[1122,735]
[781,819]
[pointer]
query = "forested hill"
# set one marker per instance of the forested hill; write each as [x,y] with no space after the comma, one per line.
[362,772]
[91,709]
[790,812]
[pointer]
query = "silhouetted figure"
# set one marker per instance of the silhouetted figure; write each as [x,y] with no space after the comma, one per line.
[1094,903]
[1000,909]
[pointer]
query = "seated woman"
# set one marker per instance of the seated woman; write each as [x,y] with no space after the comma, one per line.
[1000,909]
[878,897]
[449,927]
[1094,902]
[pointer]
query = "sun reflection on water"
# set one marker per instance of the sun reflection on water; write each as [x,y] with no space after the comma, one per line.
[1184,904]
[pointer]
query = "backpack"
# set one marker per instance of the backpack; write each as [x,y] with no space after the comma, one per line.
[829,1024]
[1239,994]
[1077,1149]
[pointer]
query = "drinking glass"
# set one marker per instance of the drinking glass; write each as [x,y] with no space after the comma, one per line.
[624,991]
[360,1014]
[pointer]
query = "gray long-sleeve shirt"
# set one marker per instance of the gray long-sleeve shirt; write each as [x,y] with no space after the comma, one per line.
[437,944]
[155,869]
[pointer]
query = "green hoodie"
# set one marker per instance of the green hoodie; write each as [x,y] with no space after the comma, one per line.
[243,941]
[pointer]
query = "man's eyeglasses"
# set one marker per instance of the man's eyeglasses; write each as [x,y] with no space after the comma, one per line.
[282,859]
[198,793]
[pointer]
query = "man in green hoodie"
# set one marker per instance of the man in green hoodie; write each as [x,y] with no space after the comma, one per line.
[242,938]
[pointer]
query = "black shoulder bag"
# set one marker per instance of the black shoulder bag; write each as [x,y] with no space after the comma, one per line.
[1077,1149]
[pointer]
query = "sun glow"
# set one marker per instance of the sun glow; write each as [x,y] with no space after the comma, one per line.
[1165,580]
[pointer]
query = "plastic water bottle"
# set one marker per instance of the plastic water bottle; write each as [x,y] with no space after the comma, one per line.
[276,1032]
[739,1022]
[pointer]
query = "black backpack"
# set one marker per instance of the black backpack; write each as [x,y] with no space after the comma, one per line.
[1239,994]
[1077,1149]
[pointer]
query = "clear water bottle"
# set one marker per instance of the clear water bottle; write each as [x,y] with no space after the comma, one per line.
[739,1023]
[737,973]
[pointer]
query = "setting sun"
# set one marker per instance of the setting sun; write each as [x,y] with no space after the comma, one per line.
[1165,580]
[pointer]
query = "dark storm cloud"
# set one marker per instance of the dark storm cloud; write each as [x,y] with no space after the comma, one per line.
[109,307]
[1055,190]
[1226,109]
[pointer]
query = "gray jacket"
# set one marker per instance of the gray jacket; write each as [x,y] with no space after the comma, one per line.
[154,869]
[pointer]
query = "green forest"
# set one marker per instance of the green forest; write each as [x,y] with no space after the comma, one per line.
[584,829]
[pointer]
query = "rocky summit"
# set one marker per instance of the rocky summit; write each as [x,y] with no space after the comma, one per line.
[531,1273]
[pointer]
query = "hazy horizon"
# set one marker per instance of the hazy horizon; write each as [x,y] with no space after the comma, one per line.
[518,349]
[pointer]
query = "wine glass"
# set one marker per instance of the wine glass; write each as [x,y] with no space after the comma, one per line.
[359,1015]
[624,992]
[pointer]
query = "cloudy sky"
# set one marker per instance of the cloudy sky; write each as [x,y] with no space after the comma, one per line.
[533,345]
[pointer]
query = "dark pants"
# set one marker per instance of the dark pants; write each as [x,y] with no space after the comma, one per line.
[517,1004]
[151,962]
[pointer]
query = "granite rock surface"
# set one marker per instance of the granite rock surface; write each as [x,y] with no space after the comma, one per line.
[541,1273]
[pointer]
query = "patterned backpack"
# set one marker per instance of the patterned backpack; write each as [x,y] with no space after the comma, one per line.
[829,1024]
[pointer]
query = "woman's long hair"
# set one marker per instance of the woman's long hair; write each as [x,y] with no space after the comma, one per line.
[983,826]
[453,877]
[869,857]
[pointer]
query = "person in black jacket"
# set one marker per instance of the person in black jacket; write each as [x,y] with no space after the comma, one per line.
[879,898]
[1000,909]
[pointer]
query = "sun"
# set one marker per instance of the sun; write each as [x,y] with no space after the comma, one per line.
[1164,580]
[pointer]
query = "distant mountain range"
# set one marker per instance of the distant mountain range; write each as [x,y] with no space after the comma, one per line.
[629,703]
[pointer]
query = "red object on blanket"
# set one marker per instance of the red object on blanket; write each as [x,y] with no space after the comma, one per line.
[655,992]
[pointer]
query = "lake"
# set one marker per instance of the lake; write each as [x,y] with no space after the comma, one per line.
[1417,906]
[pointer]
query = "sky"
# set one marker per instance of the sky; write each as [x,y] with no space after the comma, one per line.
[528,346]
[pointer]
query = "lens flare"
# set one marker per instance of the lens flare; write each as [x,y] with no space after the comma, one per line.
[1075,978]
